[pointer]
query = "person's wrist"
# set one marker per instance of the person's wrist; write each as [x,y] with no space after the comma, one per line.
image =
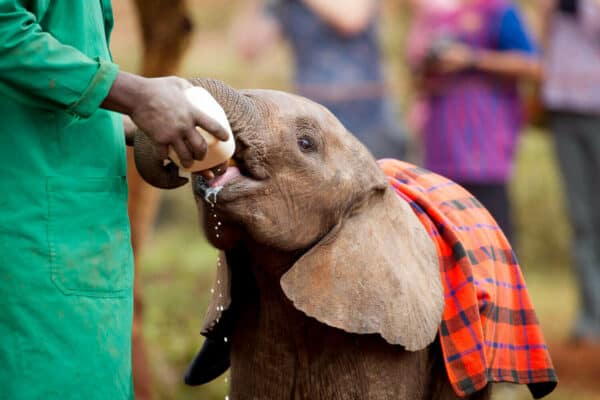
[125,94]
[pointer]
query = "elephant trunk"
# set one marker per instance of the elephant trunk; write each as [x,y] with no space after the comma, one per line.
[241,113]
[240,110]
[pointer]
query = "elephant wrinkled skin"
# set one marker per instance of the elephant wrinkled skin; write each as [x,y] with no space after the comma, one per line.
[328,285]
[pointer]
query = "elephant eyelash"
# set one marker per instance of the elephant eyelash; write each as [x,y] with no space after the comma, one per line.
[305,129]
[306,144]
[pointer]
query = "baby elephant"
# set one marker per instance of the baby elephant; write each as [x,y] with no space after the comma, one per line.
[344,278]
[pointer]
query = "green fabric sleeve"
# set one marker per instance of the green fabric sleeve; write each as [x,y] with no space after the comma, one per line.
[38,70]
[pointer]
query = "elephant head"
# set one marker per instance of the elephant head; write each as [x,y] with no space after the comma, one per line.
[303,185]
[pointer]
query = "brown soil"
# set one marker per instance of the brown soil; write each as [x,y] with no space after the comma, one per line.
[577,365]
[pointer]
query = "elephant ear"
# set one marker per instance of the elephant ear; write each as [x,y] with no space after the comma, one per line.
[377,272]
[216,318]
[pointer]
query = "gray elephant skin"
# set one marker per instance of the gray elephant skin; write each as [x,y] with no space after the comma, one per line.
[328,285]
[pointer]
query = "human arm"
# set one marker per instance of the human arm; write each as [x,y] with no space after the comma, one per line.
[515,55]
[545,9]
[254,30]
[506,63]
[158,106]
[38,70]
[348,20]
[510,63]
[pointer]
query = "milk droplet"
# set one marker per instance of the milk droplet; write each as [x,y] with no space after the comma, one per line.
[217,235]
[212,290]
[219,223]
[225,339]
[216,228]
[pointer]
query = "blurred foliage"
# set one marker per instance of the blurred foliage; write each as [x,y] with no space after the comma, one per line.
[543,232]
[178,265]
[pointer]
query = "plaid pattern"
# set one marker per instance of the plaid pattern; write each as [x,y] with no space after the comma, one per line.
[489,330]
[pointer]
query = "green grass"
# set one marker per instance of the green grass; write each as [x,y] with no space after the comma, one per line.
[178,271]
[539,209]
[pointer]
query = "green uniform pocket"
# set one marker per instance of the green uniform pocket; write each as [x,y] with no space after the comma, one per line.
[88,236]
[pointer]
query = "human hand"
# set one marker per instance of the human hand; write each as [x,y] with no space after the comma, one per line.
[454,58]
[159,107]
[164,113]
[254,32]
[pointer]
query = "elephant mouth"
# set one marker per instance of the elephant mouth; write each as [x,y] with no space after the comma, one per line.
[244,163]
[244,171]
[221,180]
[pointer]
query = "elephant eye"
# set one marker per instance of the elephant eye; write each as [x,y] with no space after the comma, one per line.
[306,144]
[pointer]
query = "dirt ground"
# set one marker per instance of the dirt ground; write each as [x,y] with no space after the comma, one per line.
[577,366]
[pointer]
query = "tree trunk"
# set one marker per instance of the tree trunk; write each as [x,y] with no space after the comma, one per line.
[166,30]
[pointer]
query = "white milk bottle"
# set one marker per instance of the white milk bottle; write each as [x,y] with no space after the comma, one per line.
[217,151]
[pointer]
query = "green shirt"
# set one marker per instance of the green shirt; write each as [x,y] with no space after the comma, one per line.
[65,257]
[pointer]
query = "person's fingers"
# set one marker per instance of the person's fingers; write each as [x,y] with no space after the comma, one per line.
[210,125]
[185,155]
[196,144]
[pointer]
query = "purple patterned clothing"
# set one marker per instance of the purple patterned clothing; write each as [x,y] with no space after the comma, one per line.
[473,117]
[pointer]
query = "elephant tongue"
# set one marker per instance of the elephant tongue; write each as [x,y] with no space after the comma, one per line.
[222,180]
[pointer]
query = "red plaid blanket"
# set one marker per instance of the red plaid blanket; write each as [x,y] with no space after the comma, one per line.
[489,330]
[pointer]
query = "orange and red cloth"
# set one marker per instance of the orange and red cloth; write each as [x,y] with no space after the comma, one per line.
[489,330]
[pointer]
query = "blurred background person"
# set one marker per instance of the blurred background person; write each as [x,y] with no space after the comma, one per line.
[469,56]
[571,94]
[337,62]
